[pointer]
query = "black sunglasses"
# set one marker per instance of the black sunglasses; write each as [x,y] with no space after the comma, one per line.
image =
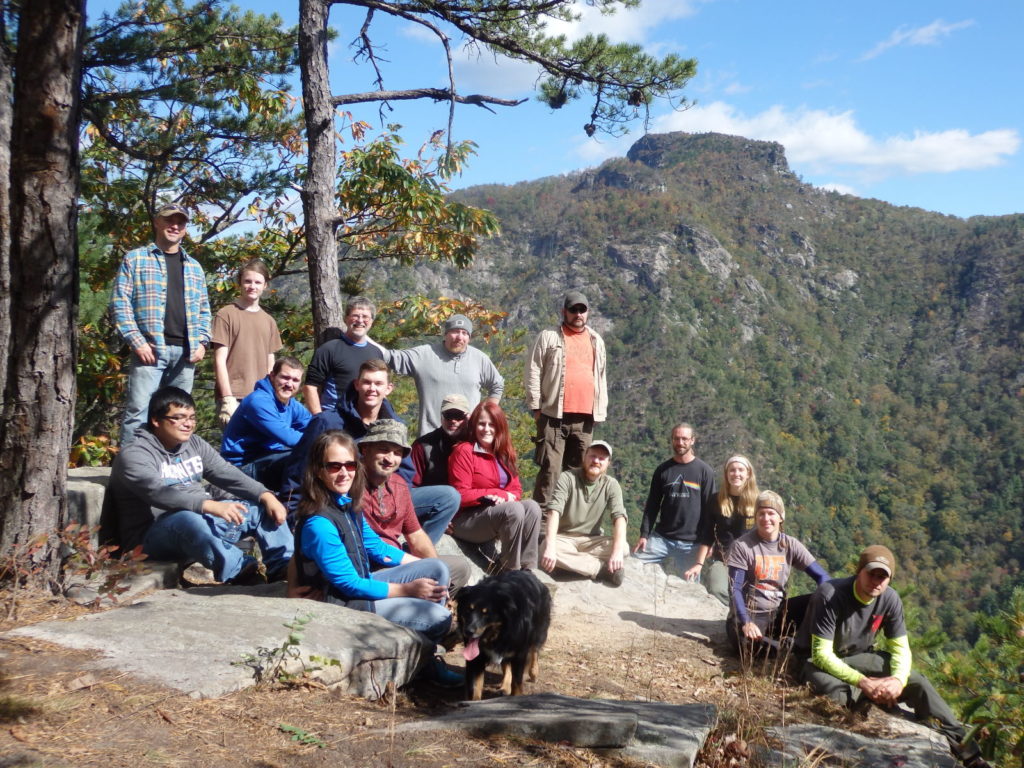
[334,467]
[454,415]
[579,309]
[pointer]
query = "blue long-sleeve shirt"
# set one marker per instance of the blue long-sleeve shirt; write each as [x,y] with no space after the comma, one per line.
[263,425]
[322,544]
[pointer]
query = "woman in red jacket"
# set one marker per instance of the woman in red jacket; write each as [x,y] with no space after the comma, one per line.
[484,473]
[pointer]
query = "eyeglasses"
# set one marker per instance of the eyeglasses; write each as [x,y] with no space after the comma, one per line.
[181,418]
[334,467]
[454,415]
[579,309]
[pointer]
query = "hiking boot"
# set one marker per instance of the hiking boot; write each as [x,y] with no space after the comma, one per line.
[609,578]
[197,575]
[249,574]
[437,672]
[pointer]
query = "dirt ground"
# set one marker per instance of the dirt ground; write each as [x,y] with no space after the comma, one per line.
[53,713]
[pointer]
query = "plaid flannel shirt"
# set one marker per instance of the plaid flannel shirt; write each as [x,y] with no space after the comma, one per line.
[140,296]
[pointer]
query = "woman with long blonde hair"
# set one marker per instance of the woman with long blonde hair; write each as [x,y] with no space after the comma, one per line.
[731,517]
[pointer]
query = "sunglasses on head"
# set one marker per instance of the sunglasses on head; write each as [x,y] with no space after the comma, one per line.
[334,467]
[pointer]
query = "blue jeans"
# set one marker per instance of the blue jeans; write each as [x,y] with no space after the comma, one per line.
[268,469]
[432,619]
[681,554]
[436,505]
[172,370]
[189,537]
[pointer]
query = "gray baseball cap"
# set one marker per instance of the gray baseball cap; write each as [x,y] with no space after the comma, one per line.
[601,444]
[572,298]
[458,322]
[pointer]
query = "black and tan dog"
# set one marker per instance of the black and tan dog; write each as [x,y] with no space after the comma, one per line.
[504,620]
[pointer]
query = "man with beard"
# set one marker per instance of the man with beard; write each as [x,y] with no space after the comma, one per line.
[387,502]
[574,540]
[267,424]
[430,452]
[450,365]
[682,492]
[567,392]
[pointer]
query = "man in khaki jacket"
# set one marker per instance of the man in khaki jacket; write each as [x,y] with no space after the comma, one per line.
[567,392]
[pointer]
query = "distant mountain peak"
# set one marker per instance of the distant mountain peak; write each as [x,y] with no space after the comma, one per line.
[662,150]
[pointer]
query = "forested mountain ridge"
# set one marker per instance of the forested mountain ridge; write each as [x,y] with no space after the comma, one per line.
[866,357]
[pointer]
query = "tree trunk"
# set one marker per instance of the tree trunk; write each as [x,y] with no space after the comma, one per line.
[6,117]
[318,206]
[39,388]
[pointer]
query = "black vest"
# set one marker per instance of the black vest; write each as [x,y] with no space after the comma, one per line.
[350,527]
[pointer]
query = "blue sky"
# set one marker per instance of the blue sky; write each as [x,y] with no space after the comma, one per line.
[915,103]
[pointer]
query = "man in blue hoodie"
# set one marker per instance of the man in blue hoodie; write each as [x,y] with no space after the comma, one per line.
[267,424]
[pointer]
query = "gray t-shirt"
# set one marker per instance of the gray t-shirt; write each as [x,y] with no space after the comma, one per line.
[768,565]
[836,613]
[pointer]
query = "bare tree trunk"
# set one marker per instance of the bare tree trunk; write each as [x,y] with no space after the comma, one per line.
[6,117]
[39,388]
[318,204]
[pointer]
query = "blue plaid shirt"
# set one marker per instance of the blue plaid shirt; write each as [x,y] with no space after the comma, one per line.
[140,296]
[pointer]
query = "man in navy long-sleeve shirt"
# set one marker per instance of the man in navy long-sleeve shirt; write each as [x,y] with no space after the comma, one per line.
[682,491]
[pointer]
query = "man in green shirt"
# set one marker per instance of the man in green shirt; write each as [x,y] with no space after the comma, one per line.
[574,540]
[844,659]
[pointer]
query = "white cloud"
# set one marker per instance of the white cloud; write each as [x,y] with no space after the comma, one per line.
[480,71]
[843,189]
[626,26]
[826,140]
[929,34]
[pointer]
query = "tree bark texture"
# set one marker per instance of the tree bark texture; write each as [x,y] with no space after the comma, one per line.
[39,388]
[6,117]
[318,204]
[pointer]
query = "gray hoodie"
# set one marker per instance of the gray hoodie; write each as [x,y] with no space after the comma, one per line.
[148,480]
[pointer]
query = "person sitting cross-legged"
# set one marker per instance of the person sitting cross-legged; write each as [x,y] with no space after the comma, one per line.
[573,540]
[156,498]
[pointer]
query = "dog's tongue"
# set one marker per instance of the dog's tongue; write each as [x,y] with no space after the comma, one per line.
[472,649]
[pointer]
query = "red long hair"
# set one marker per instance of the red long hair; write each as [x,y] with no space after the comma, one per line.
[503,449]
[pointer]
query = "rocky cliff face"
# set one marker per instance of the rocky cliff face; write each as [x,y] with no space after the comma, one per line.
[867,357]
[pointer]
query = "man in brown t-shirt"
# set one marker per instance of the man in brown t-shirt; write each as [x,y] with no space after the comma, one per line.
[387,504]
[567,392]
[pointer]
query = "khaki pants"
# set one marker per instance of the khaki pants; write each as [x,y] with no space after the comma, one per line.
[581,554]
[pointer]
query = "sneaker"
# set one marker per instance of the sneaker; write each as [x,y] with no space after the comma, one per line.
[609,578]
[437,672]
[197,575]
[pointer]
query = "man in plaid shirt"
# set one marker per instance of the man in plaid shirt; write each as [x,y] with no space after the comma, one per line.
[162,310]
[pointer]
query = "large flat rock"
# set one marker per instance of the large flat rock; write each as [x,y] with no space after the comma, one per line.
[668,735]
[191,640]
[914,746]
